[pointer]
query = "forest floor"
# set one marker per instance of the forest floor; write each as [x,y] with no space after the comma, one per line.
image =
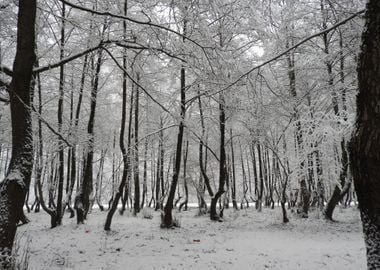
[245,240]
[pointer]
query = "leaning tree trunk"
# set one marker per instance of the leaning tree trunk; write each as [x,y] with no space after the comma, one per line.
[185,155]
[201,145]
[168,218]
[39,160]
[338,193]
[82,200]
[222,161]
[16,183]
[115,202]
[365,142]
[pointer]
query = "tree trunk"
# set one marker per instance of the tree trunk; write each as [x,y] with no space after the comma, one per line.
[16,183]
[222,161]
[185,155]
[124,199]
[259,204]
[82,200]
[73,157]
[115,202]
[61,164]
[201,145]
[168,218]
[145,174]
[338,193]
[365,142]
[39,161]
[136,205]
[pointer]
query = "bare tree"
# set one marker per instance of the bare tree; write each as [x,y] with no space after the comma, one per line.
[13,189]
[365,143]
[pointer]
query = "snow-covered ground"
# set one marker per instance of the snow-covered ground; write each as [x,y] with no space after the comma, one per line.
[245,240]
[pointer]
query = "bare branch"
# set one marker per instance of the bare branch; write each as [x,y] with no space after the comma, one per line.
[142,47]
[6,101]
[135,82]
[280,55]
[148,23]
[67,59]
[6,70]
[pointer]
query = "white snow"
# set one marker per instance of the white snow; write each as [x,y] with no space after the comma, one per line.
[245,240]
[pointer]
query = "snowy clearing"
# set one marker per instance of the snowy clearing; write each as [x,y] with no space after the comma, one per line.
[245,240]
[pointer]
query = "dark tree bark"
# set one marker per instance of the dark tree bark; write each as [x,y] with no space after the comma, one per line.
[222,161]
[254,166]
[73,156]
[82,200]
[338,194]
[201,145]
[136,203]
[115,202]
[39,160]
[168,218]
[259,203]
[127,186]
[13,188]
[160,169]
[233,186]
[61,165]
[305,194]
[245,182]
[185,155]
[99,181]
[365,142]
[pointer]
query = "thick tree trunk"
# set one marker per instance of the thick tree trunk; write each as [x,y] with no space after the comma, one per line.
[365,143]
[13,188]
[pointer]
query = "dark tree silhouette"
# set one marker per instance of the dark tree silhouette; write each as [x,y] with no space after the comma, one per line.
[365,143]
[15,185]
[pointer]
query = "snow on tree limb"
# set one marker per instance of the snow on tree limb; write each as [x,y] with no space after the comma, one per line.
[281,54]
